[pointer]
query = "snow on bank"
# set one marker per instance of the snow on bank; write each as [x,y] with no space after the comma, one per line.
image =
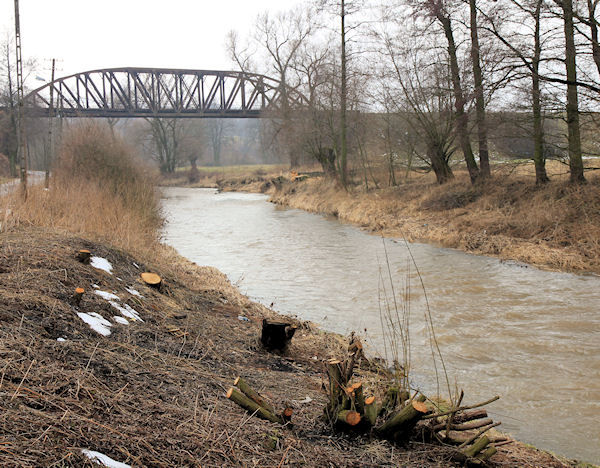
[96,322]
[101,264]
[102,459]
[125,310]
[133,292]
[107,295]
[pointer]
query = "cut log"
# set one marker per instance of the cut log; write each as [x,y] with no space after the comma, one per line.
[464,438]
[84,256]
[470,415]
[78,295]
[252,394]
[405,419]
[276,335]
[466,426]
[477,447]
[151,279]
[349,417]
[251,406]
[370,410]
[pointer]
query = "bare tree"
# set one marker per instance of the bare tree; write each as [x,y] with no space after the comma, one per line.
[439,10]
[166,137]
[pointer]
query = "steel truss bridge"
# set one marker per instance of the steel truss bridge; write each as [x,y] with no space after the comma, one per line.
[162,92]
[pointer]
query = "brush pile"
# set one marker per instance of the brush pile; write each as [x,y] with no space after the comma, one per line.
[400,417]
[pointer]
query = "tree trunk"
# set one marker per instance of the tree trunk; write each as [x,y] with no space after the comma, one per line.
[592,4]
[484,158]
[462,119]
[343,104]
[575,160]
[442,170]
[541,177]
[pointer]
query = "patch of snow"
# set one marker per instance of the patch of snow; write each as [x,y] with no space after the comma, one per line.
[133,292]
[241,318]
[126,311]
[120,320]
[101,264]
[305,401]
[61,339]
[108,296]
[102,459]
[96,322]
[119,278]
[95,286]
[136,265]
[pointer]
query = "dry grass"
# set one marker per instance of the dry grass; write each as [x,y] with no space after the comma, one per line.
[555,226]
[99,189]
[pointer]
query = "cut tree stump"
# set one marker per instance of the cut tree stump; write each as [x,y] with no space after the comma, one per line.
[151,279]
[78,295]
[252,394]
[84,256]
[286,414]
[276,335]
[251,406]
[370,410]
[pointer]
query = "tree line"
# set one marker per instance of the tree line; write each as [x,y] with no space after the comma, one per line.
[429,79]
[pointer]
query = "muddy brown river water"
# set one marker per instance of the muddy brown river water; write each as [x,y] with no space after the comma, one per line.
[530,336]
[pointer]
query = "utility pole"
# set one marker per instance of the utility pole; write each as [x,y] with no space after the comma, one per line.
[20,120]
[50,149]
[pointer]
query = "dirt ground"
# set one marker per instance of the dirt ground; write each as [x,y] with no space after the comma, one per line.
[152,392]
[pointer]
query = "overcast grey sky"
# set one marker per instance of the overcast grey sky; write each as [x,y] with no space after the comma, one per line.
[90,34]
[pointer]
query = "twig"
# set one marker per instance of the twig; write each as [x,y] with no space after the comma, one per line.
[22,380]
[285,454]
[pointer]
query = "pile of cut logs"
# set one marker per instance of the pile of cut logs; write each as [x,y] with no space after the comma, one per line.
[401,416]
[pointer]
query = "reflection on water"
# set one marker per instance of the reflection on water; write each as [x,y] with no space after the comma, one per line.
[529,335]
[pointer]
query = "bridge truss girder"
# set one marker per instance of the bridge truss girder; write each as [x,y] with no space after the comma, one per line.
[156,92]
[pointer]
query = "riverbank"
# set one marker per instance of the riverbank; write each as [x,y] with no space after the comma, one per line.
[556,226]
[68,387]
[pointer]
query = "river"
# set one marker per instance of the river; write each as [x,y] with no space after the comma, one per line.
[530,336]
